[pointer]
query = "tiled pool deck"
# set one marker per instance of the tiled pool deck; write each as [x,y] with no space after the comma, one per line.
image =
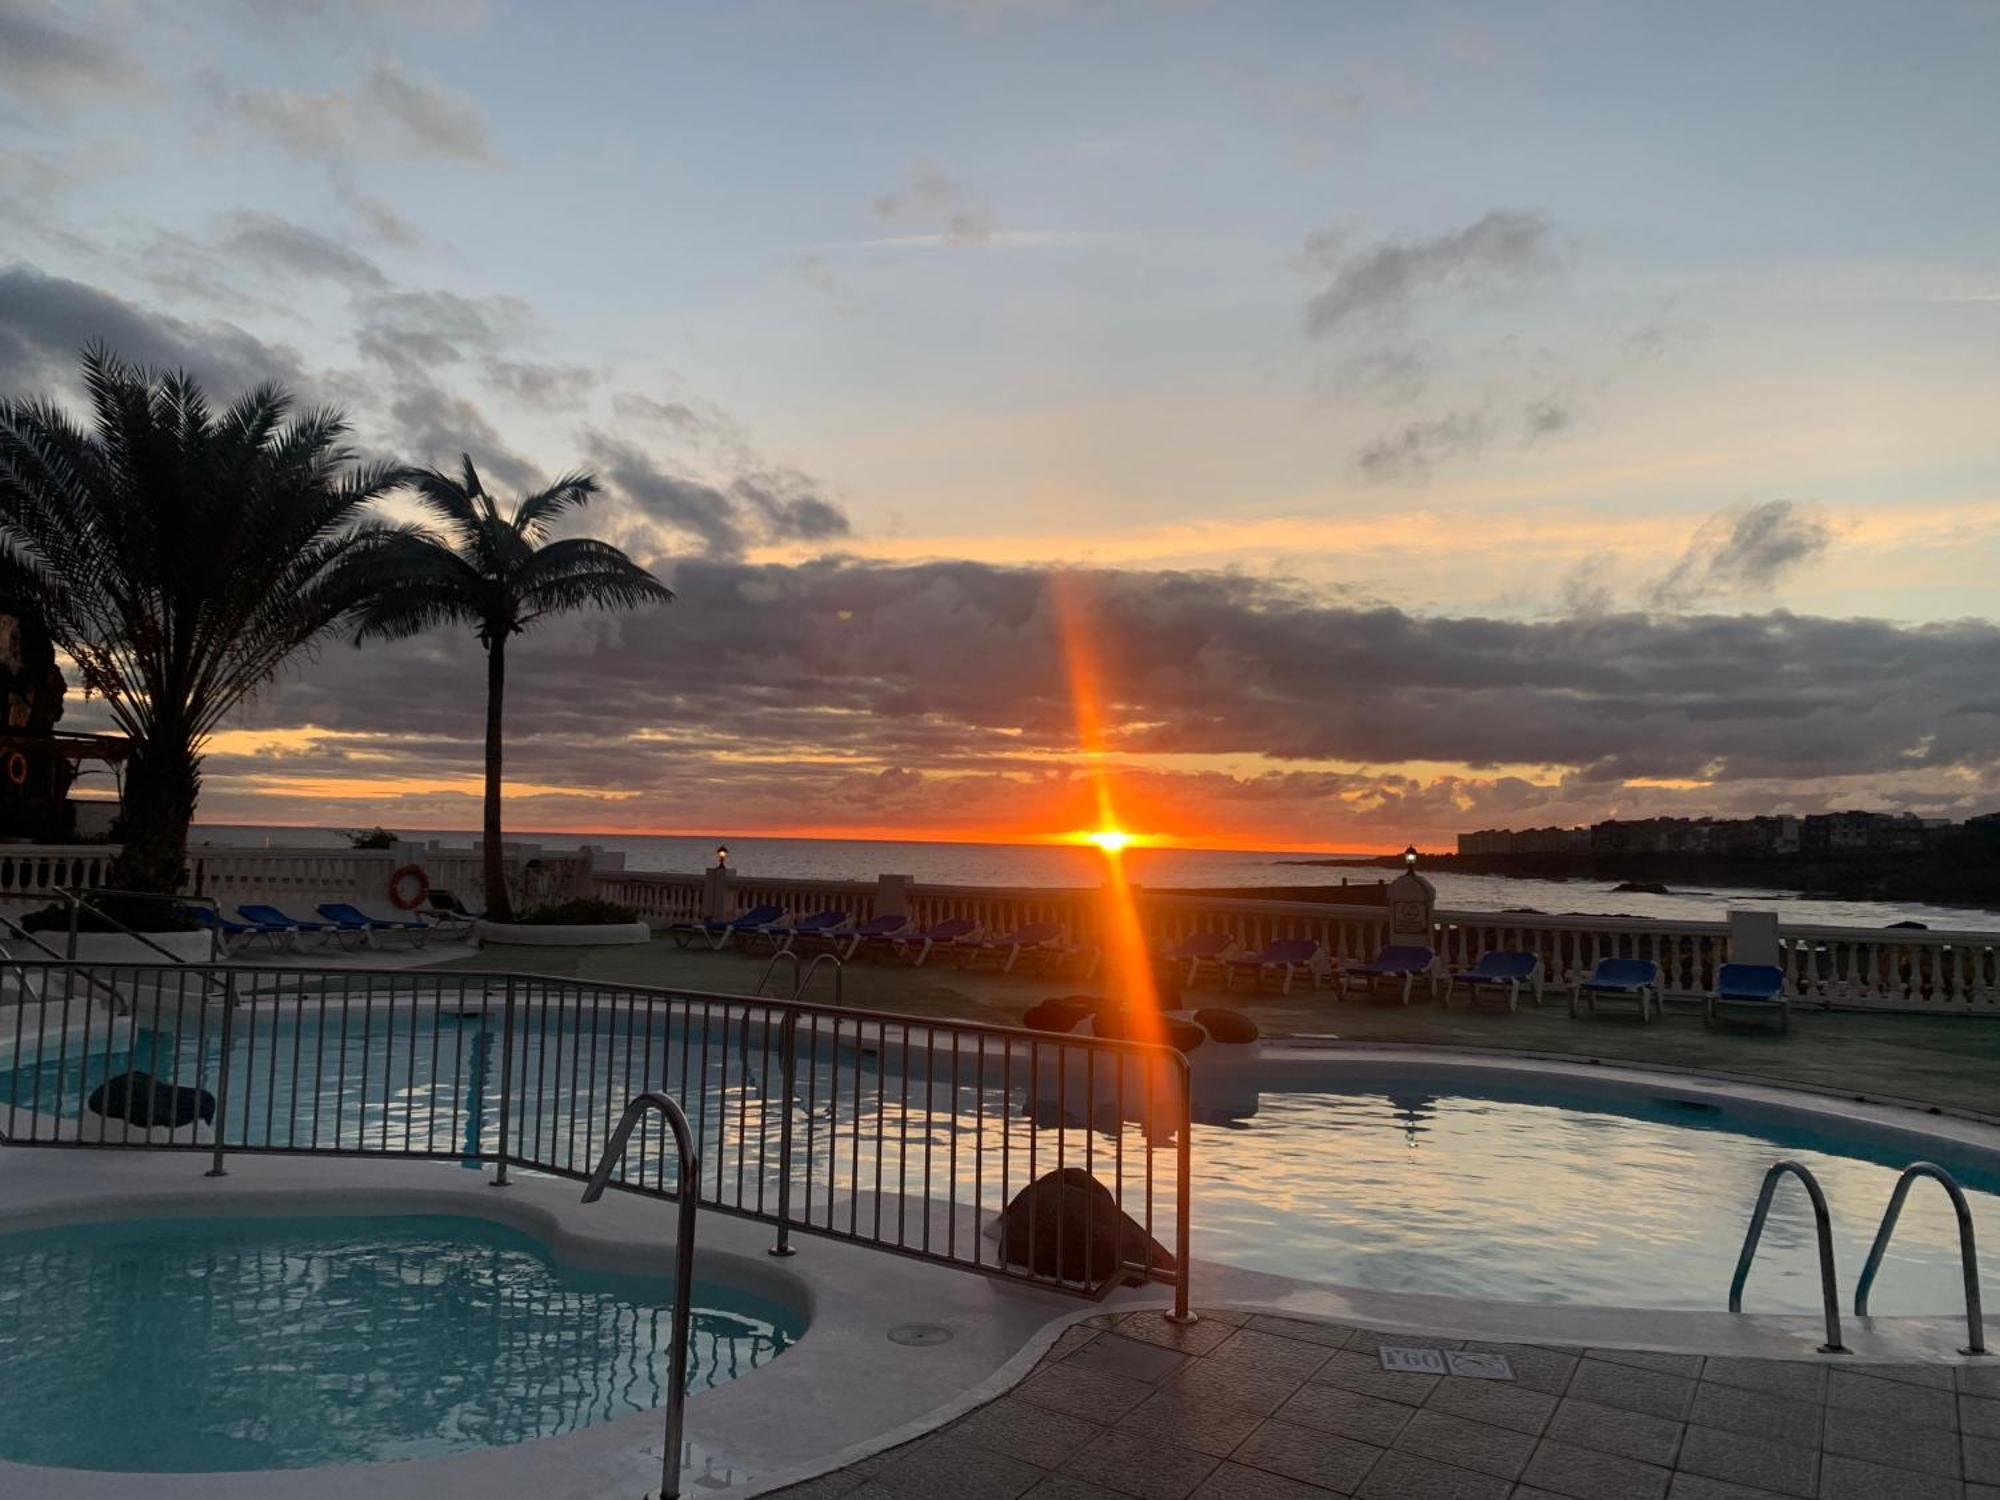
[1242,1406]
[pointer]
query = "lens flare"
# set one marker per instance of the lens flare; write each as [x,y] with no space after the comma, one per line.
[1111,840]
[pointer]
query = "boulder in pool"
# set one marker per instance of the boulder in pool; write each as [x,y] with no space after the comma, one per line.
[1059,1015]
[1066,1223]
[1230,1026]
[1640,888]
[141,1099]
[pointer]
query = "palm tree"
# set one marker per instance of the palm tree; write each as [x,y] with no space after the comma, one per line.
[499,574]
[179,557]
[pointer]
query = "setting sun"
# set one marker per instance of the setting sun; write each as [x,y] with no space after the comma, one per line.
[1110,840]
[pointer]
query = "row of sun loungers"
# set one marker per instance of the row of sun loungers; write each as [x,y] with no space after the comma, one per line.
[333,921]
[1040,947]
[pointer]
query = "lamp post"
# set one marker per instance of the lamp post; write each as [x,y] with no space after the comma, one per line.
[722,856]
[1410,857]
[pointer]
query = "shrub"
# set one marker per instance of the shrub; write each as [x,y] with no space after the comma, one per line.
[137,913]
[372,838]
[584,911]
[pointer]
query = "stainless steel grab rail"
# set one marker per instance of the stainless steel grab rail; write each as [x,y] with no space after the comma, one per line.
[770,967]
[1968,1249]
[803,972]
[687,1199]
[1823,1229]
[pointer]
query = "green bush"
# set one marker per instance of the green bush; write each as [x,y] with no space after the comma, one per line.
[370,838]
[585,911]
[137,913]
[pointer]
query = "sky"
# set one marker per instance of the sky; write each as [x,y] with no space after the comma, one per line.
[1426,417]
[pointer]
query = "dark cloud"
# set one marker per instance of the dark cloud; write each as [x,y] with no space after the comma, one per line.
[1547,416]
[1409,454]
[379,218]
[431,426]
[1505,248]
[46,320]
[725,520]
[1744,551]
[934,199]
[419,346]
[43,60]
[541,384]
[391,115]
[290,249]
[427,330]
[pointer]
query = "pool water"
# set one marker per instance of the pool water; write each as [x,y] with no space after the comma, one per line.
[198,1345]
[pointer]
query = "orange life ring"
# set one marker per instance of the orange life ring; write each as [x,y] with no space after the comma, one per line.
[17,768]
[400,891]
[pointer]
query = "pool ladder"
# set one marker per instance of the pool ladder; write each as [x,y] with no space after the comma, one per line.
[690,1174]
[1968,1250]
[802,975]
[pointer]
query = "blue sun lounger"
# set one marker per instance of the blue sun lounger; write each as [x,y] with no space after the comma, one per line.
[1034,940]
[1197,949]
[1501,973]
[350,916]
[1634,979]
[230,933]
[876,931]
[821,924]
[1750,989]
[1280,960]
[1408,962]
[917,946]
[719,930]
[270,916]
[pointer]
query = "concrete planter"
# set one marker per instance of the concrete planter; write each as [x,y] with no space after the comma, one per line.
[597,935]
[122,948]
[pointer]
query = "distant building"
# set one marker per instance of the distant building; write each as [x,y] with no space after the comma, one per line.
[1525,841]
[1770,837]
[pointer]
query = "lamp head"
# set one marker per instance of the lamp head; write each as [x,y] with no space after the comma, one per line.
[1410,857]
[721,854]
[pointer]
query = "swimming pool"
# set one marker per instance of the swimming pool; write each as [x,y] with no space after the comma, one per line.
[1417,1180]
[215,1344]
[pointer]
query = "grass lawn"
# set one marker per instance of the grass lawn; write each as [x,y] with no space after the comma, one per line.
[1947,1060]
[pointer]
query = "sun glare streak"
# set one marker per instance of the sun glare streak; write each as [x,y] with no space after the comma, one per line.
[1130,965]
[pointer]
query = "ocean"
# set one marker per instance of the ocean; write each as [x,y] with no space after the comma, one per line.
[1072,865]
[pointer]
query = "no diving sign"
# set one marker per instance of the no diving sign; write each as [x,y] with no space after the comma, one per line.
[1466,1365]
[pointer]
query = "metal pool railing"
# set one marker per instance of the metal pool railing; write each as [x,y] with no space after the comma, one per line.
[900,1133]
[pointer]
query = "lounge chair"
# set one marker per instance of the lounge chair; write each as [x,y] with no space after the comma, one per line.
[1634,979]
[231,933]
[350,915]
[1407,962]
[265,915]
[917,946]
[869,934]
[1499,973]
[447,913]
[1279,960]
[783,935]
[719,930]
[1035,940]
[1750,989]
[1196,949]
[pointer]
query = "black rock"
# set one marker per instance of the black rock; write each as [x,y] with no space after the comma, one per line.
[1226,1025]
[143,1100]
[1640,888]
[1915,926]
[1059,1015]
[1066,1223]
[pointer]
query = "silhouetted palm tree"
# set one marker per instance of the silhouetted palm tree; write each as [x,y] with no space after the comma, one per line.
[499,574]
[179,556]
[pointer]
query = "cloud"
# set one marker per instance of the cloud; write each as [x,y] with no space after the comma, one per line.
[46,320]
[1744,551]
[293,250]
[43,60]
[543,384]
[378,217]
[933,197]
[1506,248]
[1546,416]
[391,116]
[1409,454]
[725,519]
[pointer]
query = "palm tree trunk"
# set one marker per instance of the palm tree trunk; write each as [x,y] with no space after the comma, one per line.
[162,781]
[498,907]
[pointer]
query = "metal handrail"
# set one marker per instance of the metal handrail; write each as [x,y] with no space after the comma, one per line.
[79,902]
[116,998]
[1822,1227]
[687,1198]
[1968,1249]
[839,998]
[765,978]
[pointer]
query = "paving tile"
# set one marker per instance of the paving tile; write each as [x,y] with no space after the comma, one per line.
[1980,1379]
[1114,1354]
[1982,1460]
[1633,1388]
[1851,1479]
[1270,1351]
[1089,1394]
[1022,1430]
[1757,1414]
[1792,1378]
[1982,1492]
[1587,1474]
[1535,1368]
[1191,1338]
[1405,1476]
[825,1486]
[1645,1359]
[1921,1406]
[1235,1317]
[1529,1492]
[1332,1335]
[1368,1340]
[1494,1402]
[1232,1481]
[1320,1458]
[1328,1408]
[949,1468]
[1629,1434]
[1069,1487]
[1137,1465]
[1883,1440]
[1700,1487]
[1192,1421]
[1786,1468]
[1256,1390]
[1979,1416]
[1069,1341]
[1934,1375]
[1469,1445]
[1364,1373]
